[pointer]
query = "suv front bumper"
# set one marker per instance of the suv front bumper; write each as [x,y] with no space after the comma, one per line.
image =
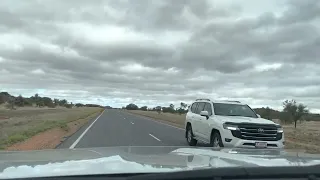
[230,141]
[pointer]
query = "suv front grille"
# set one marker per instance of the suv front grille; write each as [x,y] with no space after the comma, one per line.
[261,132]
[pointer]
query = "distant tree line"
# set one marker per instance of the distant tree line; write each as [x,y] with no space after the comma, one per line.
[37,101]
[292,111]
[170,109]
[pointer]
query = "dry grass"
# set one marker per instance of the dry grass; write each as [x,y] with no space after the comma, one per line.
[49,139]
[21,124]
[305,138]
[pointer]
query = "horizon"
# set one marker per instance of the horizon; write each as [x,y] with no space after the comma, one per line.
[140,105]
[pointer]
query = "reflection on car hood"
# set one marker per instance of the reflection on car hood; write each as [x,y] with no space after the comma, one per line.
[244,119]
[141,159]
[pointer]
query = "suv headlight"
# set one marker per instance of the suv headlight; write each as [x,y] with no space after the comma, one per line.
[279,129]
[231,127]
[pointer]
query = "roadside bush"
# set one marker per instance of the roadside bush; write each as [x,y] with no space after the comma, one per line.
[69,106]
[16,138]
[9,106]
[51,105]
[64,126]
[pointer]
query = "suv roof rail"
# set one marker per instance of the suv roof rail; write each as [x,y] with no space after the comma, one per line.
[202,99]
[235,101]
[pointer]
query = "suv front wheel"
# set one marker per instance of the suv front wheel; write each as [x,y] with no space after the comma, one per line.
[215,140]
[189,135]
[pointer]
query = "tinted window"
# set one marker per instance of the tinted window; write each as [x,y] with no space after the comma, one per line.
[200,107]
[194,107]
[233,110]
[208,108]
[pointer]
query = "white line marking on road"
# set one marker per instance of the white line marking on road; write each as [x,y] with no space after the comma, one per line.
[84,132]
[154,137]
[150,119]
[132,123]
[160,122]
[167,125]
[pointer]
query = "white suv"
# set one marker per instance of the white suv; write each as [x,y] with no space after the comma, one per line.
[230,124]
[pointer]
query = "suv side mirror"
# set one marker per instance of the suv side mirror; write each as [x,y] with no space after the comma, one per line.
[258,115]
[205,114]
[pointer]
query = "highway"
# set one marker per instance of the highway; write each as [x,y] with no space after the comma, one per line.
[120,128]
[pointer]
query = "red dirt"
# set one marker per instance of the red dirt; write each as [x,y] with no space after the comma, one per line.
[4,117]
[48,139]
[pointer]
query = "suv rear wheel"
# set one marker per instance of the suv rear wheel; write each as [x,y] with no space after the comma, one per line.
[215,140]
[191,141]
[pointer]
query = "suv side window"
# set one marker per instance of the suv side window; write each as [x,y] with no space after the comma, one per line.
[208,108]
[194,107]
[200,107]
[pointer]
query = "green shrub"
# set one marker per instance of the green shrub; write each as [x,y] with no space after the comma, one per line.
[16,138]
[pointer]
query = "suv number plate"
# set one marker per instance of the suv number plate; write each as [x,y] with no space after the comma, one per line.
[261,144]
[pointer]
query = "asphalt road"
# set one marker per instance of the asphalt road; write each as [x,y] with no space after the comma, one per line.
[119,128]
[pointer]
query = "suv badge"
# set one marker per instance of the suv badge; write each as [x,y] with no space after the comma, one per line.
[260,130]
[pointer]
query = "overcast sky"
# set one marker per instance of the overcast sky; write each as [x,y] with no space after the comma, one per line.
[157,52]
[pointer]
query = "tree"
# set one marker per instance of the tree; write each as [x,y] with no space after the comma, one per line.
[36,96]
[36,99]
[132,107]
[168,110]
[294,110]
[181,111]
[172,106]
[183,105]
[63,102]
[27,102]
[19,101]
[158,109]
[144,108]
[48,102]
[79,105]
[56,101]
[92,105]
[182,108]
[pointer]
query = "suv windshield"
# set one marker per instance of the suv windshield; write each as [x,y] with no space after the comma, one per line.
[233,110]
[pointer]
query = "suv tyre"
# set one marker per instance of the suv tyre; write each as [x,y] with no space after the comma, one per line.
[215,140]
[189,135]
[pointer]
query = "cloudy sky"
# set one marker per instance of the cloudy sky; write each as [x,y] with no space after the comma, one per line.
[157,52]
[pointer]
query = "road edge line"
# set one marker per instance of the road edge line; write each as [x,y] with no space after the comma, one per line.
[84,132]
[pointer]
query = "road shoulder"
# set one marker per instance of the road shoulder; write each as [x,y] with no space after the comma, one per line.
[72,138]
[54,137]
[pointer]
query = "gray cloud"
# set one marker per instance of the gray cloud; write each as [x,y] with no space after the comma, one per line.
[161,52]
[301,11]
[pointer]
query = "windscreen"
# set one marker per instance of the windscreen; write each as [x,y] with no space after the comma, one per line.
[223,109]
[109,75]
